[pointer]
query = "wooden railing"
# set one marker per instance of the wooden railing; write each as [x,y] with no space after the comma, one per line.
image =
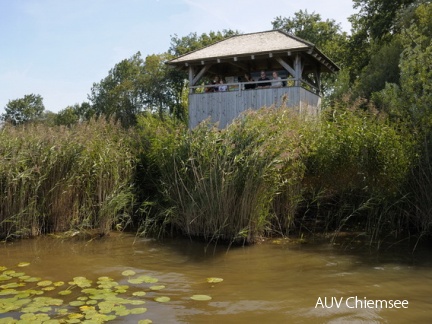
[241,86]
[223,107]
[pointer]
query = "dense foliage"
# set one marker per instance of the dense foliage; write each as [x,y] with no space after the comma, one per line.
[255,176]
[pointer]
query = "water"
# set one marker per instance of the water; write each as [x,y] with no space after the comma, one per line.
[271,282]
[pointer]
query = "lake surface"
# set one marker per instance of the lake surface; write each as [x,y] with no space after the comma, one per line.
[276,281]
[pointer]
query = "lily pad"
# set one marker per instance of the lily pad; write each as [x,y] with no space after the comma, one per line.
[65,292]
[5,292]
[146,321]
[128,273]
[76,303]
[148,279]
[75,316]
[23,264]
[137,311]
[17,274]
[201,297]
[135,281]
[58,283]
[214,280]
[139,293]
[136,302]
[157,287]
[44,283]
[81,282]
[162,299]
[12,285]
[25,277]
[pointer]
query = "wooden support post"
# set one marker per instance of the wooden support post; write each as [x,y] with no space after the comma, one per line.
[298,71]
[191,77]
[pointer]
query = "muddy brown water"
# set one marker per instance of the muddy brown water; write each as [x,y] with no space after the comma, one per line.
[273,282]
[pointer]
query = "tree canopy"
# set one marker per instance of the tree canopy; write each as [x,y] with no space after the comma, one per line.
[22,110]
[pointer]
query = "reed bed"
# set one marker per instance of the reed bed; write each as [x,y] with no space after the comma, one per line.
[222,184]
[56,179]
[272,171]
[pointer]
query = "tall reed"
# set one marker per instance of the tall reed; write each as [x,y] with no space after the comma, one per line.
[223,184]
[273,171]
[57,178]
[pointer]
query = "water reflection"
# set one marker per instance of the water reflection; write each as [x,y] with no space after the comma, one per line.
[273,282]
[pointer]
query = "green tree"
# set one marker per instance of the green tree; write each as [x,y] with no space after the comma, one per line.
[383,67]
[120,94]
[378,18]
[68,116]
[326,35]
[376,23]
[416,63]
[193,41]
[22,110]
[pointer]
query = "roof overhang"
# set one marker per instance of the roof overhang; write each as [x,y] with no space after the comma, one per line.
[256,47]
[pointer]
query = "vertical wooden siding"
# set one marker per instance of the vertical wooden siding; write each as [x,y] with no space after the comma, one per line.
[224,107]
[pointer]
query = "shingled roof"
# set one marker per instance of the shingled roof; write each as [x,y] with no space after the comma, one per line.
[265,44]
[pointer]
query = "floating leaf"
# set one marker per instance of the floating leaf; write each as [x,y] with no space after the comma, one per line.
[4,277]
[135,281]
[23,294]
[25,277]
[157,287]
[128,273]
[2,268]
[162,299]
[17,274]
[85,308]
[50,288]
[148,279]
[81,282]
[75,316]
[58,283]
[124,287]
[12,285]
[139,293]
[23,264]
[65,292]
[201,297]
[5,292]
[136,302]
[48,301]
[44,283]
[32,279]
[137,311]
[76,303]
[146,321]
[120,310]
[214,280]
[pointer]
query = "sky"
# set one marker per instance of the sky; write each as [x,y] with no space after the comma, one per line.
[58,49]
